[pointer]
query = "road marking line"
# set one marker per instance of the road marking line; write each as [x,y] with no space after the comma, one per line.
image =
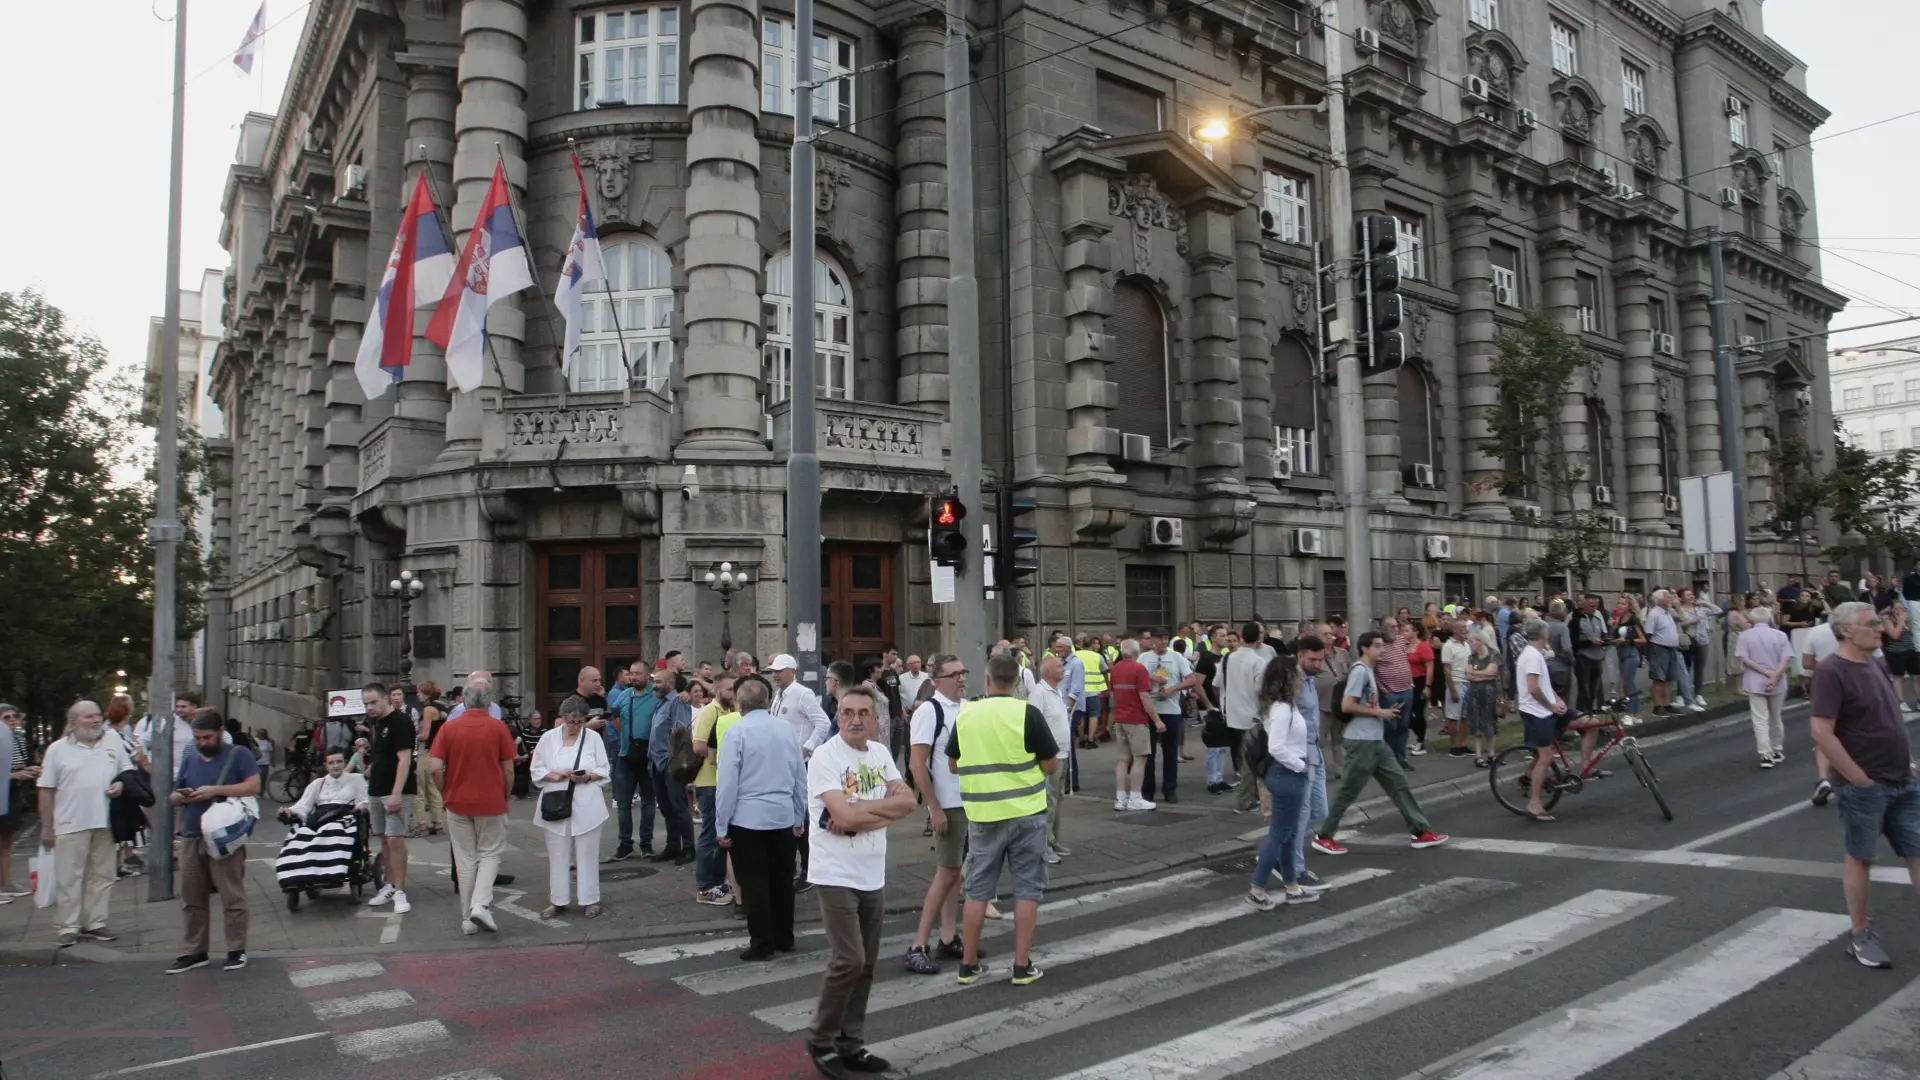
[1280,1029]
[355,1004]
[270,1043]
[688,950]
[1601,1027]
[1710,860]
[1765,819]
[390,933]
[510,905]
[304,978]
[976,1037]
[795,1015]
[470,1074]
[782,968]
[1878,1046]
[384,1044]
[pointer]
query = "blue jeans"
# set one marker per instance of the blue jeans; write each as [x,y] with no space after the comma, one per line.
[1277,851]
[1401,702]
[673,807]
[1683,677]
[627,782]
[1217,757]
[710,866]
[1630,678]
[1313,807]
[1868,813]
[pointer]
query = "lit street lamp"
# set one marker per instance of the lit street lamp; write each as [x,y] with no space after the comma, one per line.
[1216,129]
[407,588]
[727,582]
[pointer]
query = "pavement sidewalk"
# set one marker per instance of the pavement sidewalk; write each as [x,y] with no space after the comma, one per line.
[645,900]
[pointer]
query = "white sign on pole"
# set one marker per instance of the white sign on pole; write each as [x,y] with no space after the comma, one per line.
[1706,513]
[345,703]
[943,584]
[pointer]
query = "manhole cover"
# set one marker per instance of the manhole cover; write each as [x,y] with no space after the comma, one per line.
[634,873]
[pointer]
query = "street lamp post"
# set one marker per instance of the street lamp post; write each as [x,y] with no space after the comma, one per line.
[727,582]
[407,587]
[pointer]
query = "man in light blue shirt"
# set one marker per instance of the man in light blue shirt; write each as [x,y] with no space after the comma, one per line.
[631,722]
[760,810]
[1310,652]
[669,712]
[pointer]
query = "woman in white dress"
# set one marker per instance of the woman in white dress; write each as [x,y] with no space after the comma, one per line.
[569,757]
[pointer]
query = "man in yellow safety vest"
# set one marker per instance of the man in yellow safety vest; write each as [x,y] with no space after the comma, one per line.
[1002,750]
[1090,710]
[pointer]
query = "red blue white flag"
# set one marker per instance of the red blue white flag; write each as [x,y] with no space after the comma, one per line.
[583,264]
[418,270]
[250,44]
[493,266]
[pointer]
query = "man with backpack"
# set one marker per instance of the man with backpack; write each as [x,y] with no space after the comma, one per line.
[669,713]
[1368,755]
[1240,675]
[929,732]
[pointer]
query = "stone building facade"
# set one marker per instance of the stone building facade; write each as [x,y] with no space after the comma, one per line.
[1149,321]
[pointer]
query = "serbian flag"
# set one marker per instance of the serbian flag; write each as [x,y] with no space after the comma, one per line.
[583,264]
[250,44]
[493,266]
[418,270]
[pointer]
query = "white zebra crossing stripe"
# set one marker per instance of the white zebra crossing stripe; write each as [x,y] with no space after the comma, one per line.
[1623,1017]
[690,950]
[1711,860]
[470,1074]
[782,968]
[1280,1029]
[1878,1046]
[795,1015]
[332,973]
[354,1005]
[976,1037]
[385,1044]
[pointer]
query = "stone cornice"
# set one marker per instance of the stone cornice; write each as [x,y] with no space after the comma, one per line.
[1659,21]
[1716,29]
[1794,102]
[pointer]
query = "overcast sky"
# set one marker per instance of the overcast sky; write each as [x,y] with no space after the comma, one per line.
[87,187]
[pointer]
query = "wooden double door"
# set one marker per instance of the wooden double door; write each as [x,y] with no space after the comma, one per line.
[588,604]
[856,601]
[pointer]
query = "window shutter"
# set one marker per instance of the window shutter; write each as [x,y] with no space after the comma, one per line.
[1294,387]
[1126,109]
[1416,418]
[1138,332]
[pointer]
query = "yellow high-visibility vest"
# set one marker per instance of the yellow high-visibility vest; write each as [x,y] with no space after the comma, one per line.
[999,778]
[1096,671]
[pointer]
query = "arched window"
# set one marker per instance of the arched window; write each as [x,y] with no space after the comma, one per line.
[1417,407]
[634,305]
[1138,332]
[1296,406]
[832,328]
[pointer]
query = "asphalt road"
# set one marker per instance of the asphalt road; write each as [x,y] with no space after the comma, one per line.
[1609,943]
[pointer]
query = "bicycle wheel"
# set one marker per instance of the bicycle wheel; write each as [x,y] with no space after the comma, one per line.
[1643,772]
[1511,778]
[293,784]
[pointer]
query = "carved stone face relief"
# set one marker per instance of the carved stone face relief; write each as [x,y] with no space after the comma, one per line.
[1138,199]
[1396,21]
[830,175]
[1492,67]
[611,159]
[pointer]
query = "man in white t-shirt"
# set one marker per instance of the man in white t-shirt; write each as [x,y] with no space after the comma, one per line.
[1240,675]
[1821,643]
[78,777]
[1173,676]
[854,792]
[1047,695]
[911,680]
[928,734]
[1541,707]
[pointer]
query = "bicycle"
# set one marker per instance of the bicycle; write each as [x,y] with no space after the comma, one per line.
[294,780]
[1511,775]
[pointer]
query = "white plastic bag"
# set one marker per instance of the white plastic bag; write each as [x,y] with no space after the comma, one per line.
[40,877]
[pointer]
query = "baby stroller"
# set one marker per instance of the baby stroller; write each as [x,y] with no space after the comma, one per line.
[332,848]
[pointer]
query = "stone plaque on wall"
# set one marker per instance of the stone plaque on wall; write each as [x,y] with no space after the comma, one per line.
[1095,566]
[430,642]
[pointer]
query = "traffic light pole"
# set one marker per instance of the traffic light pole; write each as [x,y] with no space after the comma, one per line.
[963,339]
[1728,392]
[1351,396]
[803,452]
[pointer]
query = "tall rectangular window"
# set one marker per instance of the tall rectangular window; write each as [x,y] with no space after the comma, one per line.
[1149,596]
[1286,197]
[1658,313]
[1913,389]
[627,56]
[1121,108]
[1484,13]
[1889,441]
[1566,48]
[1633,88]
[1411,231]
[1853,397]
[1781,165]
[1506,275]
[1883,393]
[1736,120]
[1587,289]
[831,69]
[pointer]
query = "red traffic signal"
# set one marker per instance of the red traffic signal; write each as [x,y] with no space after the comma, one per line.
[948,512]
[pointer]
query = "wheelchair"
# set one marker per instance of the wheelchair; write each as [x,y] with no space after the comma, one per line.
[364,868]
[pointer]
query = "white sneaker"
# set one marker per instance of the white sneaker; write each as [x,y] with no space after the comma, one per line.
[1779,756]
[1905,707]
[1417,748]
[1120,802]
[1697,708]
[383,897]
[1699,702]
[400,904]
[1135,802]
[483,917]
[468,927]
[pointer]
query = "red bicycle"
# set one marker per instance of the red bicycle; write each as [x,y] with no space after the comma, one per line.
[1511,775]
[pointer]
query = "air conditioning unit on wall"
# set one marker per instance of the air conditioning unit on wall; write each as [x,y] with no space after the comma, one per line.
[1283,466]
[1663,344]
[1618,523]
[1439,547]
[1366,40]
[1136,447]
[1602,495]
[1473,90]
[1165,532]
[1672,503]
[1309,542]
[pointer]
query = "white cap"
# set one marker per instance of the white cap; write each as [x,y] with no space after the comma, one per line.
[783,662]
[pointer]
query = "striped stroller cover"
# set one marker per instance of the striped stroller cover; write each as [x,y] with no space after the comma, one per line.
[311,857]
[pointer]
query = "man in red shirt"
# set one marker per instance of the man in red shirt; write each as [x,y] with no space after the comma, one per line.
[1395,673]
[1133,711]
[473,755]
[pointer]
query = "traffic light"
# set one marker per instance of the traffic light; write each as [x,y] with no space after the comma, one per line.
[1381,344]
[1022,532]
[945,538]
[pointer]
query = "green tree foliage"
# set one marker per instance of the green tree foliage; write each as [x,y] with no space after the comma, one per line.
[1868,497]
[76,492]
[1535,370]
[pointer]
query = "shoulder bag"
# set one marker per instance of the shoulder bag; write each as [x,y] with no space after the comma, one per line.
[225,826]
[558,805]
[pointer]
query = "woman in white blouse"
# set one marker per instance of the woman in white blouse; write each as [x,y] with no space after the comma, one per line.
[1286,779]
[569,757]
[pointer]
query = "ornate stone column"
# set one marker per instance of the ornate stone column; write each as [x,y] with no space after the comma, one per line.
[920,207]
[1560,298]
[1703,397]
[1641,398]
[489,123]
[1475,333]
[1757,403]
[724,261]
[1213,333]
[433,97]
[1255,292]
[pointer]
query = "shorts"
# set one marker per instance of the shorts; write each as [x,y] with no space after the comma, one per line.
[1903,663]
[393,824]
[1457,701]
[1022,843]
[1660,665]
[1867,813]
[950,847]
[1544,731]
[1094,706]
[1133,740]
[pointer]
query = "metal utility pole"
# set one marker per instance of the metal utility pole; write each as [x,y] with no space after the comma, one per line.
[1351,395]
[165,531]
[963,337]
[1728,392]
[803,453]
